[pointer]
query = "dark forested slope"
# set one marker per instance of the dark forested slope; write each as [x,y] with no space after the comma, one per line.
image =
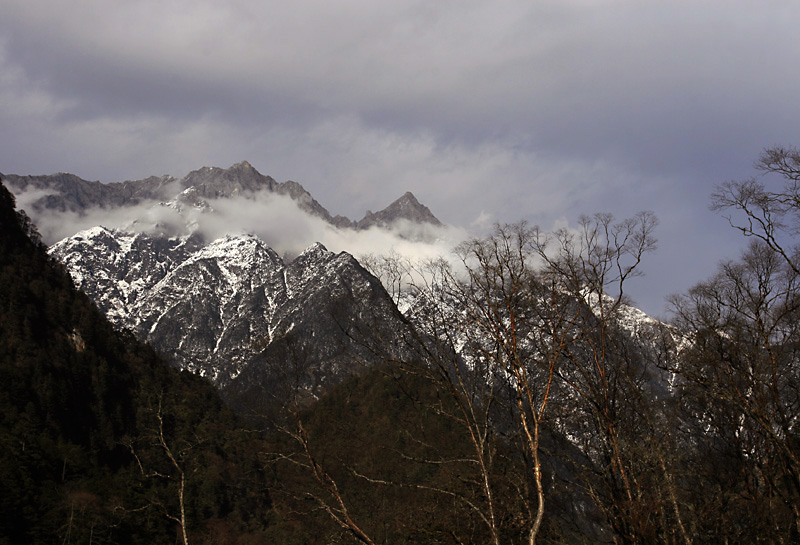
[99,440]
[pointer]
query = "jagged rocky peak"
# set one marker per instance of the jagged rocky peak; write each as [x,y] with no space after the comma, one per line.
[240,252]
[214,182]
[97,232]
[406,208]
[317,254]
[315,250]
[219,308]
[309,261]
[66,192]
[170,207]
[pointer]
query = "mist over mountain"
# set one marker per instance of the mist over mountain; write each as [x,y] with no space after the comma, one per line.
[214,202]
[226,272]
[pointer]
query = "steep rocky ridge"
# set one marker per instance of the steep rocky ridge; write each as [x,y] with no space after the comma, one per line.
[221,308]
[69,193]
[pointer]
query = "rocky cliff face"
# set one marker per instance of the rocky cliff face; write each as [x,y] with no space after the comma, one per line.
[219,309]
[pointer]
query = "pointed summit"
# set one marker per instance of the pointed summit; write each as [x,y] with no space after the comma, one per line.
[214,182]
[406,208]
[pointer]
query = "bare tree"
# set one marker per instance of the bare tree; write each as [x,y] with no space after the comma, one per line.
[498,330]
[151,466]
[289,391]
[470,341]
[600,364]
[392,269]
[518,326]
[740,368]
[330,499]
[743,356]
[757,210]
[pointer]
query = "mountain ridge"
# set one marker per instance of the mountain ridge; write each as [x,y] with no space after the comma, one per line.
[406,207]
[64,192]
[218,308]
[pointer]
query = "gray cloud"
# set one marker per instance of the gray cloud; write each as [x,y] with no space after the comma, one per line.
[276,219]
[492,110]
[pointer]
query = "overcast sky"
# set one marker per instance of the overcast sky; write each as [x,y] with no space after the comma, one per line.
[486,111]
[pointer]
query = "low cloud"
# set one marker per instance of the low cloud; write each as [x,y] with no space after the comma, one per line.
[25,199]
[55,225]
[276,219]
[289,230]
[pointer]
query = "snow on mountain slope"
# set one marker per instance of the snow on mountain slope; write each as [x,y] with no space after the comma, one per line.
[116,268]
[218,308]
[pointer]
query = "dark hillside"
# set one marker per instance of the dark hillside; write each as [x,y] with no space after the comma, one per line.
[97,435]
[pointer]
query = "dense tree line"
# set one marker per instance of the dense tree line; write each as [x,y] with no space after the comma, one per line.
[528,404]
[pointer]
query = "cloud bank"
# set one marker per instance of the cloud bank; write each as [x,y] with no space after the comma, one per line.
[274,218]
[503,110]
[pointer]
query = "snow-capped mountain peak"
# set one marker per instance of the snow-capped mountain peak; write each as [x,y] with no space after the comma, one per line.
[220,308]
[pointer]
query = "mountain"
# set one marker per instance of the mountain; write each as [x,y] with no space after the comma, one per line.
[220,308]
[406,208]
[69,193]
[412,451]
[231,306]
[505,386]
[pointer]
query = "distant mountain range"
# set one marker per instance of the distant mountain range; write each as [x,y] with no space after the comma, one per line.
[69,193]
